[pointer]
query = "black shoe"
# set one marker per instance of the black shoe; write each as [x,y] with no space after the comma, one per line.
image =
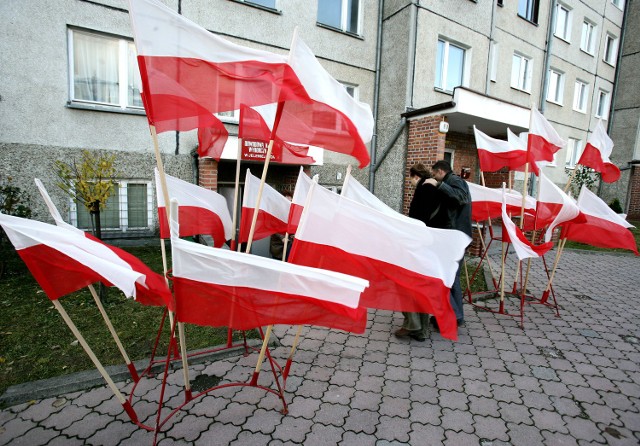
[434,324]
[418,336]
[461,323]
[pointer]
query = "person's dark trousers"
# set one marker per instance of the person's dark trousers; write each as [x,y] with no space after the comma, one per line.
[456,296]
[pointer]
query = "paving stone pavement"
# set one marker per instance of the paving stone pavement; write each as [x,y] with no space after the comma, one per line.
[568,380]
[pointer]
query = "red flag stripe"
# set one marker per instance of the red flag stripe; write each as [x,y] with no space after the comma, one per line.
[602,233]
[194,220]
[266,225]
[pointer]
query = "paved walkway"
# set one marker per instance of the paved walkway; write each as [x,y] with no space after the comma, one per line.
[560,381]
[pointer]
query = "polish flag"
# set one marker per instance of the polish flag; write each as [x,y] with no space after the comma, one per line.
[212,139]
[273,213]
[494,154]
[223,288]
[303,184]
[597,152]
[153,292]
[544,141]
[409,268]
[353,190]
[257,124]
[202,211]
[554,207]
[486,202]
[512,234]
[329,117]
[64,261]
[189,73]
[602,227]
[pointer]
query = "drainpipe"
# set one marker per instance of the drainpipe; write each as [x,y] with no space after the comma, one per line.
[491,49]
[376,97]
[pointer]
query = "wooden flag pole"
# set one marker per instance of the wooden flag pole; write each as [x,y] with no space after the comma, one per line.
[116,338]
[480,235]
[524,202]
[545,294]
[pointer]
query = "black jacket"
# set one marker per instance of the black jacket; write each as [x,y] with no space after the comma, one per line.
[426,206]
[456,198]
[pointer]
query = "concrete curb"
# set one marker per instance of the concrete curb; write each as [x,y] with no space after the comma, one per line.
[51,387]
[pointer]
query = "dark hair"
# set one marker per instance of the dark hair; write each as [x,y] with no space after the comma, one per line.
[442,165]
[287,193]
[419,170]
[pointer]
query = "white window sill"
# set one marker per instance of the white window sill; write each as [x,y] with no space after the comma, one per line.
[555,102]
[105,108]
[521,90]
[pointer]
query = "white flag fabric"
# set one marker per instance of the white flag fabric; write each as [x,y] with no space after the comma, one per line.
[554,207]
[524,249]
[494,154]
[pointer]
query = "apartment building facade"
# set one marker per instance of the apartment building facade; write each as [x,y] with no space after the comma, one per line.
[70,82]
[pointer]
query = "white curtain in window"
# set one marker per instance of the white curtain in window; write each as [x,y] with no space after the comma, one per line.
[95,61]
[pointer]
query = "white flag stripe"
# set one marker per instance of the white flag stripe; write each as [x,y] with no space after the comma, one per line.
[272,201]
[484,141]
[522,251]
[229,268]
[541,127]
[589,203]
[367,232]
[516,142]
[512,197]
[550,193]
[160,31]
[25,234]
[302,188]
[53,210]
[601,141]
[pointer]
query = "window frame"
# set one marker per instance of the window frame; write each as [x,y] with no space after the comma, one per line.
[445,62]
[524,77]
[580,94]
[604,114]
[124,46]
[254,3]
[532,8]
[344,14]
[575,147]
[610,52]
[559,91]
[591,40]
[618,4]
[566,35]
[123,211]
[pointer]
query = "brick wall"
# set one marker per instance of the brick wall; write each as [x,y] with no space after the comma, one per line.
[634,194]
[208,173]
[465,154]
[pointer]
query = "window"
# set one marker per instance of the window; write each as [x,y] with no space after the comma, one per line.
[229,116]
[610,49]
[327,120]
[555,90]
[574,151]
[351,89]
[528,9]
[450,65]
[493,61]
[271,4]
[563,22]
[580,96]
[340,14]
[602,105]
[618,3]
[521,72]
[104,70]
[128,208]
[588,38]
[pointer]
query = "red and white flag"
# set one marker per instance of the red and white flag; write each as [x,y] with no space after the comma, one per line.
[273,213]
[602,227]
[597,152]
[512,234]
[212,139]
[154,291]
[554,207]
[64,261]
[329,117]
[543,142]
[486,202]
[223,288]
[409,267]
[494,154]
[303,184]
[212,74]
[202,211]
[353,190]
[256,123]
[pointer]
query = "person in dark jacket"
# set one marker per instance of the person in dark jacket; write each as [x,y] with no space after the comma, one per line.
[426,207]
[456,200]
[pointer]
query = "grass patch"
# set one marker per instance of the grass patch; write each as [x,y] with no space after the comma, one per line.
[35,343]
[479,283]
[636,233]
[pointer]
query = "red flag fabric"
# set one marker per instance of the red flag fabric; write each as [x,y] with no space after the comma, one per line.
[212,139]
[329,118]
[155,290]
[222,288]
[554,207]
[257,124]
[543,141]
[597,152]
[512,234]
[486,202]
[602,226]
[273,213]
[63,261]
[494,154]
[202,211]
[303,184]
[409,267]
[189,73]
